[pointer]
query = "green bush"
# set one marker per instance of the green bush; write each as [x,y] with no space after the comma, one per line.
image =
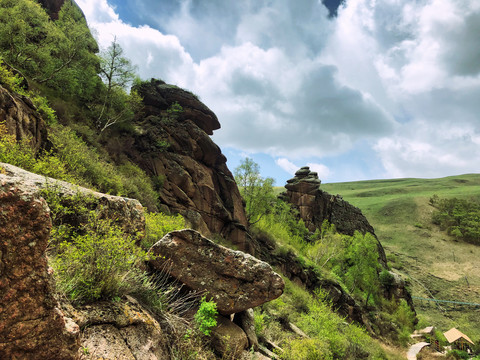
[100,264]
[206,316]
[460,218]
[157,225]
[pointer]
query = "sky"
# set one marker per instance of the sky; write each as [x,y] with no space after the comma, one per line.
[360,90]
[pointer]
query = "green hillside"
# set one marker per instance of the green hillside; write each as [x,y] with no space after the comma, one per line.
[437,265]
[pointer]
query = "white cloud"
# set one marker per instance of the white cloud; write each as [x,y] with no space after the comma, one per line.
[322,170]
[287,165]
[285,80]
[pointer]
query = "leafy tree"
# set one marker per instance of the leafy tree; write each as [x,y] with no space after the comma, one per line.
[26,35]
[74,65]
[117,73]
[460,218]
[362,255]
[59,53]
[256,191]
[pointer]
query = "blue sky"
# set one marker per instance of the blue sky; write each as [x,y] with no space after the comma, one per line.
[385,89]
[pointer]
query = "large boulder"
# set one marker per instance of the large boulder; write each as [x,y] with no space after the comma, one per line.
[32,326]
[175,148]
[120,330]
[315,205]
[235,280]
[228,339]
[125,212]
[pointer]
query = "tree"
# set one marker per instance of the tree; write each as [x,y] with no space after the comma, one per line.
[117,73]
[61,53]
[26,35]
[362,255]
[256,191]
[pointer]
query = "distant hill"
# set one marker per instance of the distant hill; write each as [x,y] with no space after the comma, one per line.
[437,264]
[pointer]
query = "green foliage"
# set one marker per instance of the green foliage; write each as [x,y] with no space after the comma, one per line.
[117,73]
[13,82]
[100,264]
[457,354]
[21,154]
[256,191]
[59,53]
[460,218]
[206,316]
[362,256]
[157,225]
[331,337]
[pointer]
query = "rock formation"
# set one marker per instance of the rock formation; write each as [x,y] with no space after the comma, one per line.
[121,330]
[31,324]
[235,280]
[52,6]
[22,119]
[127,213]
[175,148]
[315,205]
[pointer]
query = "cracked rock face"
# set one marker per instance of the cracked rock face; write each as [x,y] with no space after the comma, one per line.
[195,179]
[236,281]
[315,205]
[31,324]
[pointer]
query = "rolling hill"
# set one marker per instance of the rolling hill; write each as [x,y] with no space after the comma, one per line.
[437,265]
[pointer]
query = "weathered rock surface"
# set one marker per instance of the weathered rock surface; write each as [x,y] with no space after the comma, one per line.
[31,323]
[52,7]
[235,280]
[127,213]
[22,118]
[177,149]
[122,330]
[246,321]
[228,339]
[315,206]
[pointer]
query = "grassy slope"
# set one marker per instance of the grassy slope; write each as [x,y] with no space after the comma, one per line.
[436,264]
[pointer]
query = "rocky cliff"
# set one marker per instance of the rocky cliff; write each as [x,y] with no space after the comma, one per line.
[172,144]
[22,119]
[315,206]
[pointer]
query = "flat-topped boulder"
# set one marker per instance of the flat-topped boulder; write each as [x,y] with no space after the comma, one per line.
[236,281]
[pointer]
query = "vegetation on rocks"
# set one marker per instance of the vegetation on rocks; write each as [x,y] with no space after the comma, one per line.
[89,109]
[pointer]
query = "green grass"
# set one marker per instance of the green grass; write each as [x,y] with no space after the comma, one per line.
[436,263]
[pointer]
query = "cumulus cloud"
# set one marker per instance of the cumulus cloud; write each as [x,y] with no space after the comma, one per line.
[322,170]
[287,80]
[287,165]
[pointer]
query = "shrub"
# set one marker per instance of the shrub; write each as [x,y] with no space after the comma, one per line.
[157,225]
[100,264]
[206,316]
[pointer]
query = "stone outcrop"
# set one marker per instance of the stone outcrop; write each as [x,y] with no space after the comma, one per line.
[315,205]
[31,324]
[228,339]
[127,213]
[175,148]
[52,7]
[22,119]
[122,330]
[235,280]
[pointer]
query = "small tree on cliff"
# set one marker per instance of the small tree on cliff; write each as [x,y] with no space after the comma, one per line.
[117,73]
[256,191]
